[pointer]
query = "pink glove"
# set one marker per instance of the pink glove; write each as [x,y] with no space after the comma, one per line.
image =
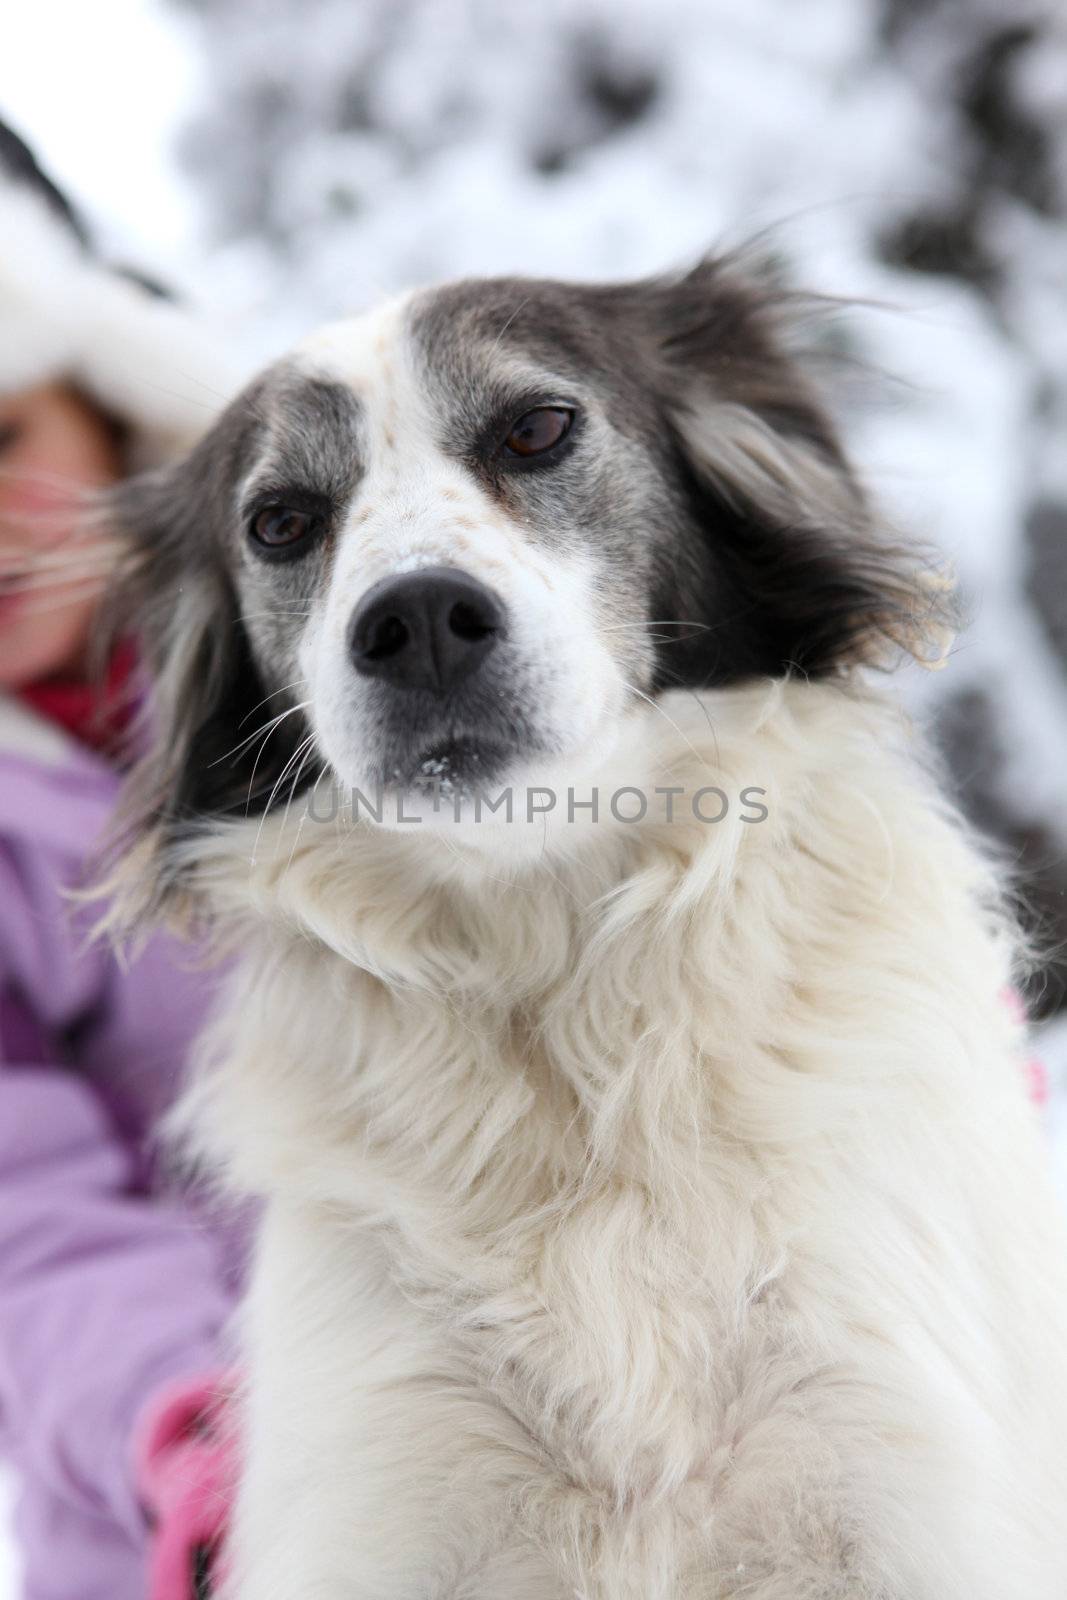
[186,1465]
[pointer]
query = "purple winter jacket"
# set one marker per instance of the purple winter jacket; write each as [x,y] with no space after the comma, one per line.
[111,1282]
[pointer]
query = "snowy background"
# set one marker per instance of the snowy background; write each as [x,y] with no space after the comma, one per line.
[287,160]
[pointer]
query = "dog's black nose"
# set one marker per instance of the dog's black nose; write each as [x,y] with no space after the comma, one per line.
[425,630]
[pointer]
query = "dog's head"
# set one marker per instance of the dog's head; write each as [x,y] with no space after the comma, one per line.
[468,534]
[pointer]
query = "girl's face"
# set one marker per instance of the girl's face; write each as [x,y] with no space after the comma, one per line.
[53,446]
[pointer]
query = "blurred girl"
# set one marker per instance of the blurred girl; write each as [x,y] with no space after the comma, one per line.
[112,1295]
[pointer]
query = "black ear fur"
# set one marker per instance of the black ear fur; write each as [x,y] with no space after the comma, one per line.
[813,581]
[198,750]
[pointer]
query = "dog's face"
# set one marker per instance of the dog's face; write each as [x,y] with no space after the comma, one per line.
[472,533]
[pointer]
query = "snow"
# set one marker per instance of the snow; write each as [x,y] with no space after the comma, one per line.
[335,152]
[102,119]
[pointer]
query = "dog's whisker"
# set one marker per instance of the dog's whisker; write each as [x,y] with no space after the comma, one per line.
[191,377]
[266,728]
[273,727]
[517,311]
[58,547]
[304,750]
[303,745]
[282,609]
[51,546]
[186,399]
[703,705]
[40,582]
[669,720]
[304,817]
[47,478]
[272,696]
[665,622]
[543,862]
[73,592]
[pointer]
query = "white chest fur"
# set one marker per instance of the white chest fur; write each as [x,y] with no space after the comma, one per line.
[668,1224]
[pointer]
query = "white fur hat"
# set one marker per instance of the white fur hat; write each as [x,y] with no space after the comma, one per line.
[65,314]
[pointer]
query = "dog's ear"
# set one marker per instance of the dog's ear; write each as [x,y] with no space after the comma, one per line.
[815,582]
[194,751]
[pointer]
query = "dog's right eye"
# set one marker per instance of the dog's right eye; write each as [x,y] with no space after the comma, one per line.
[282,530]
[538,431]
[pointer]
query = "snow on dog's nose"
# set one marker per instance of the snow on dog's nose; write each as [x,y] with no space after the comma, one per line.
[427,630]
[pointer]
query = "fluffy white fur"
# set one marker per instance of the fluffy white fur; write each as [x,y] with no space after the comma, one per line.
[659,1216]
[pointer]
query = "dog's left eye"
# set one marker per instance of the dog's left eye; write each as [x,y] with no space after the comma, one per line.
[538,431]
[278,528]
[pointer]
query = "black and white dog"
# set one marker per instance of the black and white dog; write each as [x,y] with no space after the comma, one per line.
[653,1206]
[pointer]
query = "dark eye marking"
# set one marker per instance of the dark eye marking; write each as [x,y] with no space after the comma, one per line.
[538,432]
[9,433]
[285,528]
